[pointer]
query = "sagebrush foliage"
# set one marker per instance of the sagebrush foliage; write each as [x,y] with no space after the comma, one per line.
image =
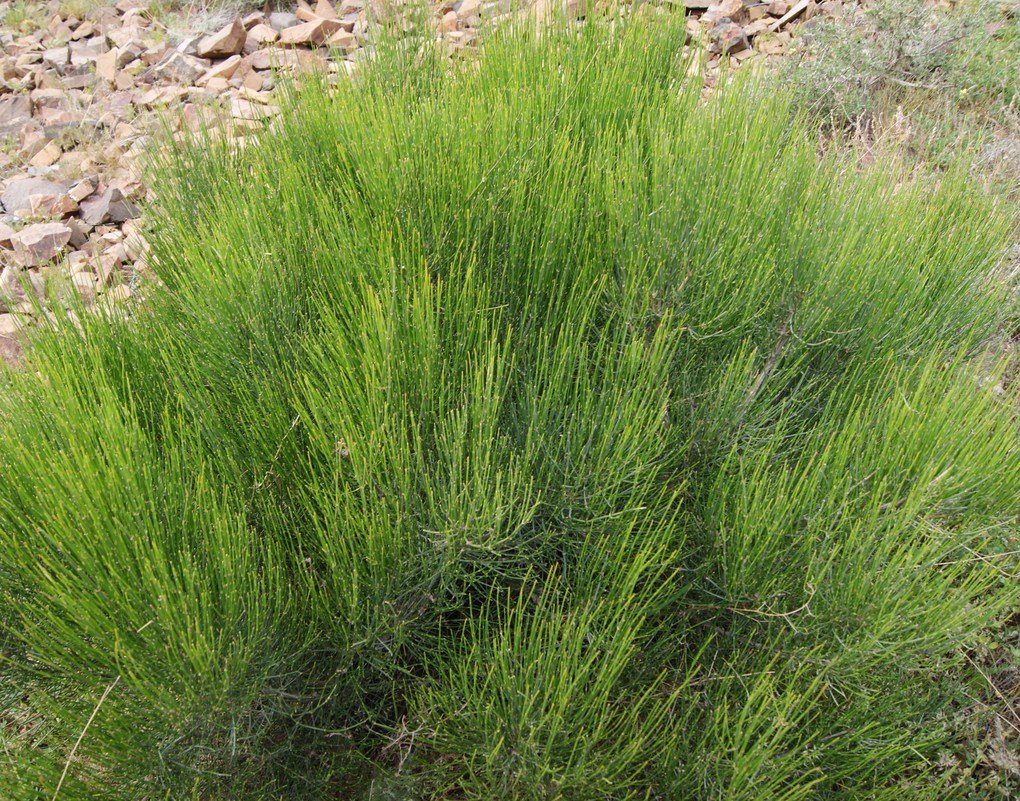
[525,430]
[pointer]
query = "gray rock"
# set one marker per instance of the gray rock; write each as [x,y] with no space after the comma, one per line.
[15,197]
[281,20]
[181,68]
[15,109]
[108,206]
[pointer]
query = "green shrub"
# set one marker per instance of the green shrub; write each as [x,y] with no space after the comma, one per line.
[521,429]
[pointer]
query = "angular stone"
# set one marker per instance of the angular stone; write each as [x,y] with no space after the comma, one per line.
[469,11]
[85,284]
[342,40]
[14,109]
[325,10]
[119,293]
[86,51]
[226,42]
[263,34]
[261,59]
[10,325]
[57,57]
[106,65]
[728,37]
[82,189]
[109,205]
[40,243]
[153,55]
[310,33]
[49,154]
[449,22]
[253,82]
[280,20]
[217,85]
[723,8]
[15,198]
[46,206]
[181,68]
[125,6]
[225,69]
[84,30]
[79,234]
[82,81]
[6,232]
[124,37]
[305,12]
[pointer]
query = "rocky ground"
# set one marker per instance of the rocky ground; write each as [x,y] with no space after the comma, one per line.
[82,97]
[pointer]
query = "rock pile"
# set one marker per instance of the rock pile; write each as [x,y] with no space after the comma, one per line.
[79,99]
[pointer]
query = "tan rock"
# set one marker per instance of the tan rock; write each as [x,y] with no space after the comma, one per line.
[47,206]
[225,69]
[262,59]
[50,154]
[85,284]
[124,37]
[728,37]
[57,58]
[241,109]
[263,34]
[84,30]
[343,41]
[40,243]
[469,11]
[16,196]
[14,108]
[325,10]
[109,261]
[253,81]
[756,27]
[226,42]
[6,232]
[181,68]
[733,9]
[305,12]
[106,65]
[217,85]
[119,293]
[10,325]
[126,6]
[449,22]
[152,55]
[310,33]
[125,81]
[82,189]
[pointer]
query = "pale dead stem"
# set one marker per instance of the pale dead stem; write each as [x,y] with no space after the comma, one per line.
[81,736]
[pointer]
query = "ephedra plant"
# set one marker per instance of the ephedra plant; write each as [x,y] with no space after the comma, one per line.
[529,429]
